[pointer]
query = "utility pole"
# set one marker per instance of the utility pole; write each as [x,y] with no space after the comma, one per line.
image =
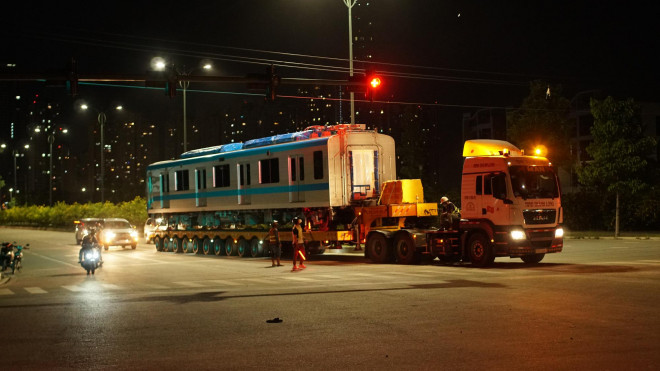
[350,4]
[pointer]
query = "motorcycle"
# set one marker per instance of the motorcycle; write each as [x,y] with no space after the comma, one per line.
[90,260]
[10,258]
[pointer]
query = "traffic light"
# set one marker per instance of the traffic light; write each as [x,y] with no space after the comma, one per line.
[373,83]
[273,83]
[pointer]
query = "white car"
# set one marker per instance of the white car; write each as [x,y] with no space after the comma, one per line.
[152,225]
[118,232]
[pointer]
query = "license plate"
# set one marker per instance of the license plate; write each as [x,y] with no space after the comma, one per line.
[541,251]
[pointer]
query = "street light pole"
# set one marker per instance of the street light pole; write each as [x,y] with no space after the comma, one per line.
[184,85]
[15,154]
[350,4]
[101,119]
[51,139]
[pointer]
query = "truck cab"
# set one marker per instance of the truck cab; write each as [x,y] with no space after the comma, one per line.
[512,200]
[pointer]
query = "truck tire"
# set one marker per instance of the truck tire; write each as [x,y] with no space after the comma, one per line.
[243,248]
[480,250]
[207,246]
[256,248]
[230,246]
[177,245]
[378,248]
[532,259]
[157,244]
[196,246]
[218,246]
[404,247]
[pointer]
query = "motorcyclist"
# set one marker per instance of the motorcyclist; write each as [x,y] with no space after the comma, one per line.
[6,254]
[89,242]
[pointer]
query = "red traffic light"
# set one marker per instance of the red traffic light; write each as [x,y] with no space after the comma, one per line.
[374,82]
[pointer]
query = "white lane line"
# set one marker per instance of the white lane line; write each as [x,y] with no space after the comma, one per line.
[330,276]
[55,260]
[111,286]
[258,280]
[224,282]
[619,247]
[35,290]
[412,274]
[188,284]
[651,261]
[299,279]
[155,286]
[6,292]
[74,288]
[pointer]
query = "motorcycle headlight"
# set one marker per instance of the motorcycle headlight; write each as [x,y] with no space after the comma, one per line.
[559,232]
[95,254]
[134,234]
[517,235]
[89,255]
[85,232]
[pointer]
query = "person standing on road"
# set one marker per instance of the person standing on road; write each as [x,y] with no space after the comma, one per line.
[298,244]
[274,244]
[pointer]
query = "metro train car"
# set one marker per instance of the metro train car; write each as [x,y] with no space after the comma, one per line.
[318,174]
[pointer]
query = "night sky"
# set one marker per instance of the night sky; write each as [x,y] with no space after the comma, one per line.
[579,44]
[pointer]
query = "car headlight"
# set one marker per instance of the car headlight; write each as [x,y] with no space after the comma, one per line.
[517,235]
[109,236]
[559,232]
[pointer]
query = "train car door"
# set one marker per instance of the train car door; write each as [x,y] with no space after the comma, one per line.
[296,178]
[243,183]
[363,171]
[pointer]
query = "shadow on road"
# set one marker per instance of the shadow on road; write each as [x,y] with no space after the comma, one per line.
[211,296]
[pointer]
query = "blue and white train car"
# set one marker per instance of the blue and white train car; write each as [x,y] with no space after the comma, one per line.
[318,174]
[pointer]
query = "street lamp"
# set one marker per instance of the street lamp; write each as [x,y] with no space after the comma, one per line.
[350,4]
[102,118]
[160,64]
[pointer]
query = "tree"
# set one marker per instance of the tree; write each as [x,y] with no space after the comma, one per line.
[542,119]
[619,151]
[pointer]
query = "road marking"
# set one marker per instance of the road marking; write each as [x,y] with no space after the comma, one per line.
[225,282]
[6,292]
[330,276]
[412,274]
[298,279]
[155,286]
[188,284]
[111,286]
[35,290]
[651,261]
[619,247]
[74,288]
[259,280]
[51,259]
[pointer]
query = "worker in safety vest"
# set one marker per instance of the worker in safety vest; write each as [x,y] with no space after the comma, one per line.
[298,244]
[450,213]
[274,244]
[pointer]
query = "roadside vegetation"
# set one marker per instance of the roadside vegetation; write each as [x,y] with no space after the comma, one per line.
[62,215]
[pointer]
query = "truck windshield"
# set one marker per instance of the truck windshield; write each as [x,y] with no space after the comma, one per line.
[534,182]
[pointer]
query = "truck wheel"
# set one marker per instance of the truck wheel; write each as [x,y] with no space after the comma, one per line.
[196,246]
[207,246]
[230,247]
[532,259]
[158,242]
[243,248]
[404,246]
[134,246]
[378,248]
[256,249]
[177,245]
[218,245]
[481,253]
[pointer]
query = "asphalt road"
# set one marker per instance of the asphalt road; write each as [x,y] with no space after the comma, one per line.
[592,307]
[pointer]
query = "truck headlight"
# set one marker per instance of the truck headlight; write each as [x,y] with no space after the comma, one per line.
[559,232]
[517,235]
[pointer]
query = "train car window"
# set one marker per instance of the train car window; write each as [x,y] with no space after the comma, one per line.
[181,180]
[318,165]
[269,171]
[221,176]
[292,166]
[301,164]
